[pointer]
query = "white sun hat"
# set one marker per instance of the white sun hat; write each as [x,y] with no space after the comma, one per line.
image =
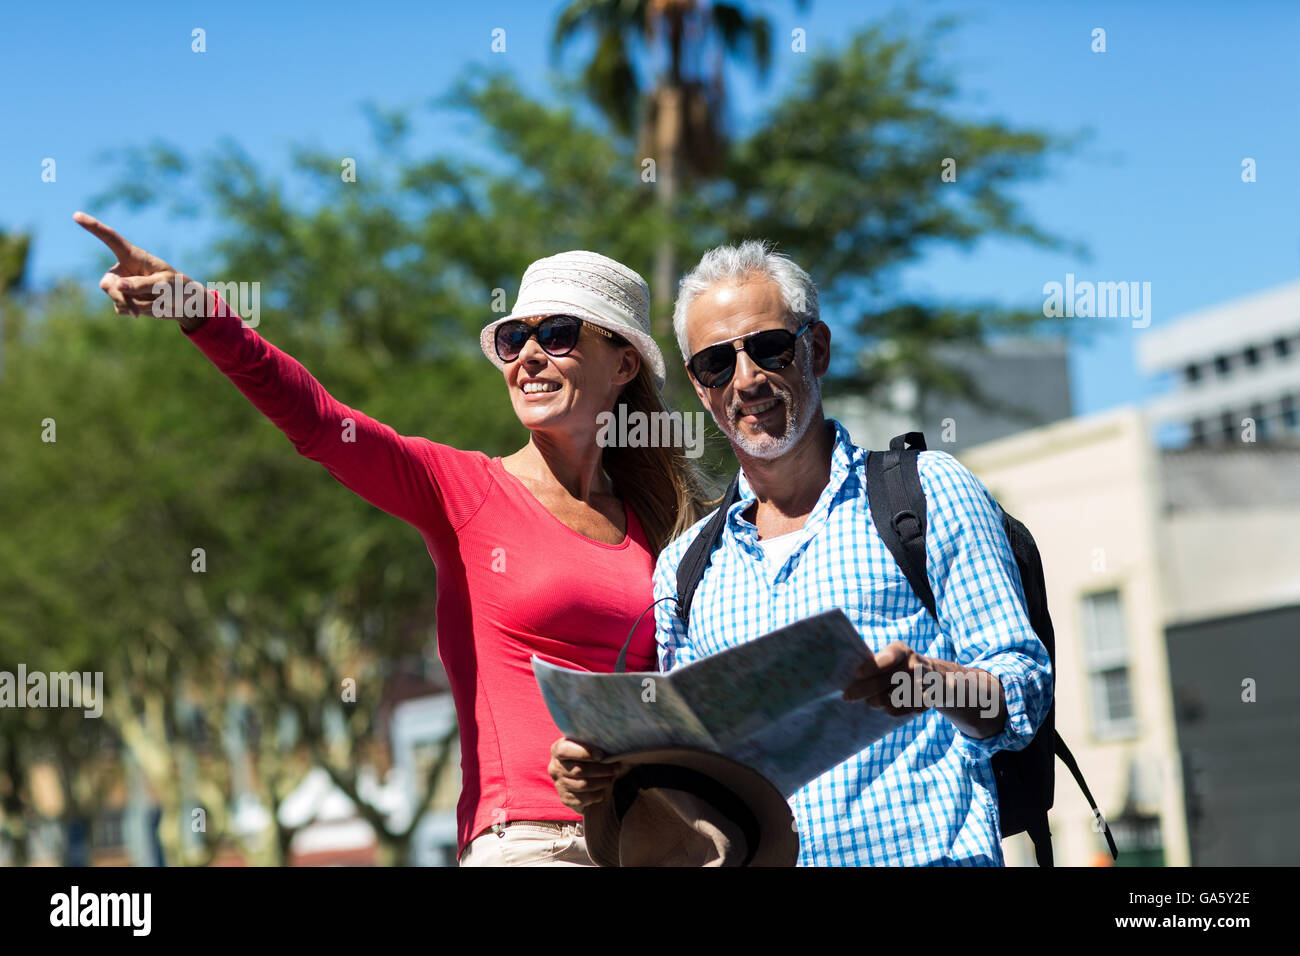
[589,286]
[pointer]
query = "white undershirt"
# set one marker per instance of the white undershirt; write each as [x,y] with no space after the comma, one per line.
[777,550]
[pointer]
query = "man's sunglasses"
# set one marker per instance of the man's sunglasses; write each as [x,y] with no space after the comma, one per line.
[771,350]
[556,334]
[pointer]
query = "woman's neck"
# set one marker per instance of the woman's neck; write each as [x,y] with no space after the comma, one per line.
[562,461]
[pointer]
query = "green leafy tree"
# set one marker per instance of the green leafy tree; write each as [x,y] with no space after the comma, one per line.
[867,164]
[380,286]
[679,116]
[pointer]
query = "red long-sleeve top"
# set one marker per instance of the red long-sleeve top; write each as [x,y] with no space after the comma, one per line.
[512,580]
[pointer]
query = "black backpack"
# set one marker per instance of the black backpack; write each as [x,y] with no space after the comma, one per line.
[1026,779]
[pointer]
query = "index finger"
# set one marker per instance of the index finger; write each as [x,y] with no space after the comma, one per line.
[867,667]
[893,656]
[109,237]
[586,770]
[566,749]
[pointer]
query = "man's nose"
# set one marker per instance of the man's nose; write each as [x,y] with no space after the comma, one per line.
[747,375]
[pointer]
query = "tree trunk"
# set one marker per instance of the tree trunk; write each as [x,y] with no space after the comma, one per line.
[15,810]
[668,126]
[669,122]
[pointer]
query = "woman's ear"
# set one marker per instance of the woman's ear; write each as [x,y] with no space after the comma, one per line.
[629,364]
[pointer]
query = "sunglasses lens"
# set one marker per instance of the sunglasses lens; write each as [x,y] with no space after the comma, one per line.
[558,335]
[772,350]
[712,367]
[510,340]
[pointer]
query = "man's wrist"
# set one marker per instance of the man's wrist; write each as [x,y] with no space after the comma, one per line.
[960,685]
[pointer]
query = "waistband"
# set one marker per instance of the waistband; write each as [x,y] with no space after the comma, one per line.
[558,826]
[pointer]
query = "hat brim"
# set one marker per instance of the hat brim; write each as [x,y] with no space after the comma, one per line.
[778,843]
[646,346]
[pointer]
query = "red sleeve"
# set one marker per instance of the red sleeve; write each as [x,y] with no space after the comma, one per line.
[433,487]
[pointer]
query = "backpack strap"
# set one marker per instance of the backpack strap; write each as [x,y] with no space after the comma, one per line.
[909,440]
[898,509]
[1067,758]
[698,555]
[1041,837]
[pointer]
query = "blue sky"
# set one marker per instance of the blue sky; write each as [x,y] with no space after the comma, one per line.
[1184,92]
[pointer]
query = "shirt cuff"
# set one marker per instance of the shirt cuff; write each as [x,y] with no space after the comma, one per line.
[220,335]
[1018,731]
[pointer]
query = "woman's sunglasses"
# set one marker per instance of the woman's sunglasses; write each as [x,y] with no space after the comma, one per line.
[556,334]
[771,349]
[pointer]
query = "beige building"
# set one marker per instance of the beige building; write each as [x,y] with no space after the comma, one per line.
[1089,490]
[1173,580]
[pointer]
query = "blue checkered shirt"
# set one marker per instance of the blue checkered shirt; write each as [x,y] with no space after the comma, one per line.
[925,794]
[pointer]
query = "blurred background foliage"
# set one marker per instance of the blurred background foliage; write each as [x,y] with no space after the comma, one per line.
[379,287]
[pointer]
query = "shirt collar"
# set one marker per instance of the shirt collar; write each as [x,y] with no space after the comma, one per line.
[846,461]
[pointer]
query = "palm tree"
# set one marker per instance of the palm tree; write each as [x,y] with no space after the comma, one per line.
[679,120]
[14,249]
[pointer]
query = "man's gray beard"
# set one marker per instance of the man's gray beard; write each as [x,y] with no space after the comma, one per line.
[797,420]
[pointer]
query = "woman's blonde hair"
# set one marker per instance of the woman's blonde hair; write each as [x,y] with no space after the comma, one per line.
[660,483]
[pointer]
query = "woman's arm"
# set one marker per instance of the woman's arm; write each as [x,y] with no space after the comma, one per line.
[396,473]
[412,478]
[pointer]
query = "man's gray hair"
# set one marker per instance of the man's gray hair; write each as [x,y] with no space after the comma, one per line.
[737,263]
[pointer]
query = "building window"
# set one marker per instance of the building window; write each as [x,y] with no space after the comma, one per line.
[1289,411]
[1221,364]
[1106,656]
[1228,422]
[1198,431]
[1137,837]
[1261,421]
[1191,374]
[1252,356]
[1281,347]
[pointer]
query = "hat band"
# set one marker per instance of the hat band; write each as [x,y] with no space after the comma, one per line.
[668,777]
[543,296]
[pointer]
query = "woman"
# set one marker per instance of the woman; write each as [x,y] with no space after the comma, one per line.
[548,551]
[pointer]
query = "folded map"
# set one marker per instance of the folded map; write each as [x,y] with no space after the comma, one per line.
[773,704]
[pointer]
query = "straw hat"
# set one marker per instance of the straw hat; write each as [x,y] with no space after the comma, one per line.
[589,286]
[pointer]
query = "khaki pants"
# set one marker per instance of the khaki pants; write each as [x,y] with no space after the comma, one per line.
[529,843]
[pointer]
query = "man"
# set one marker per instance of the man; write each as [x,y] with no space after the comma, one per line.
[800,541]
